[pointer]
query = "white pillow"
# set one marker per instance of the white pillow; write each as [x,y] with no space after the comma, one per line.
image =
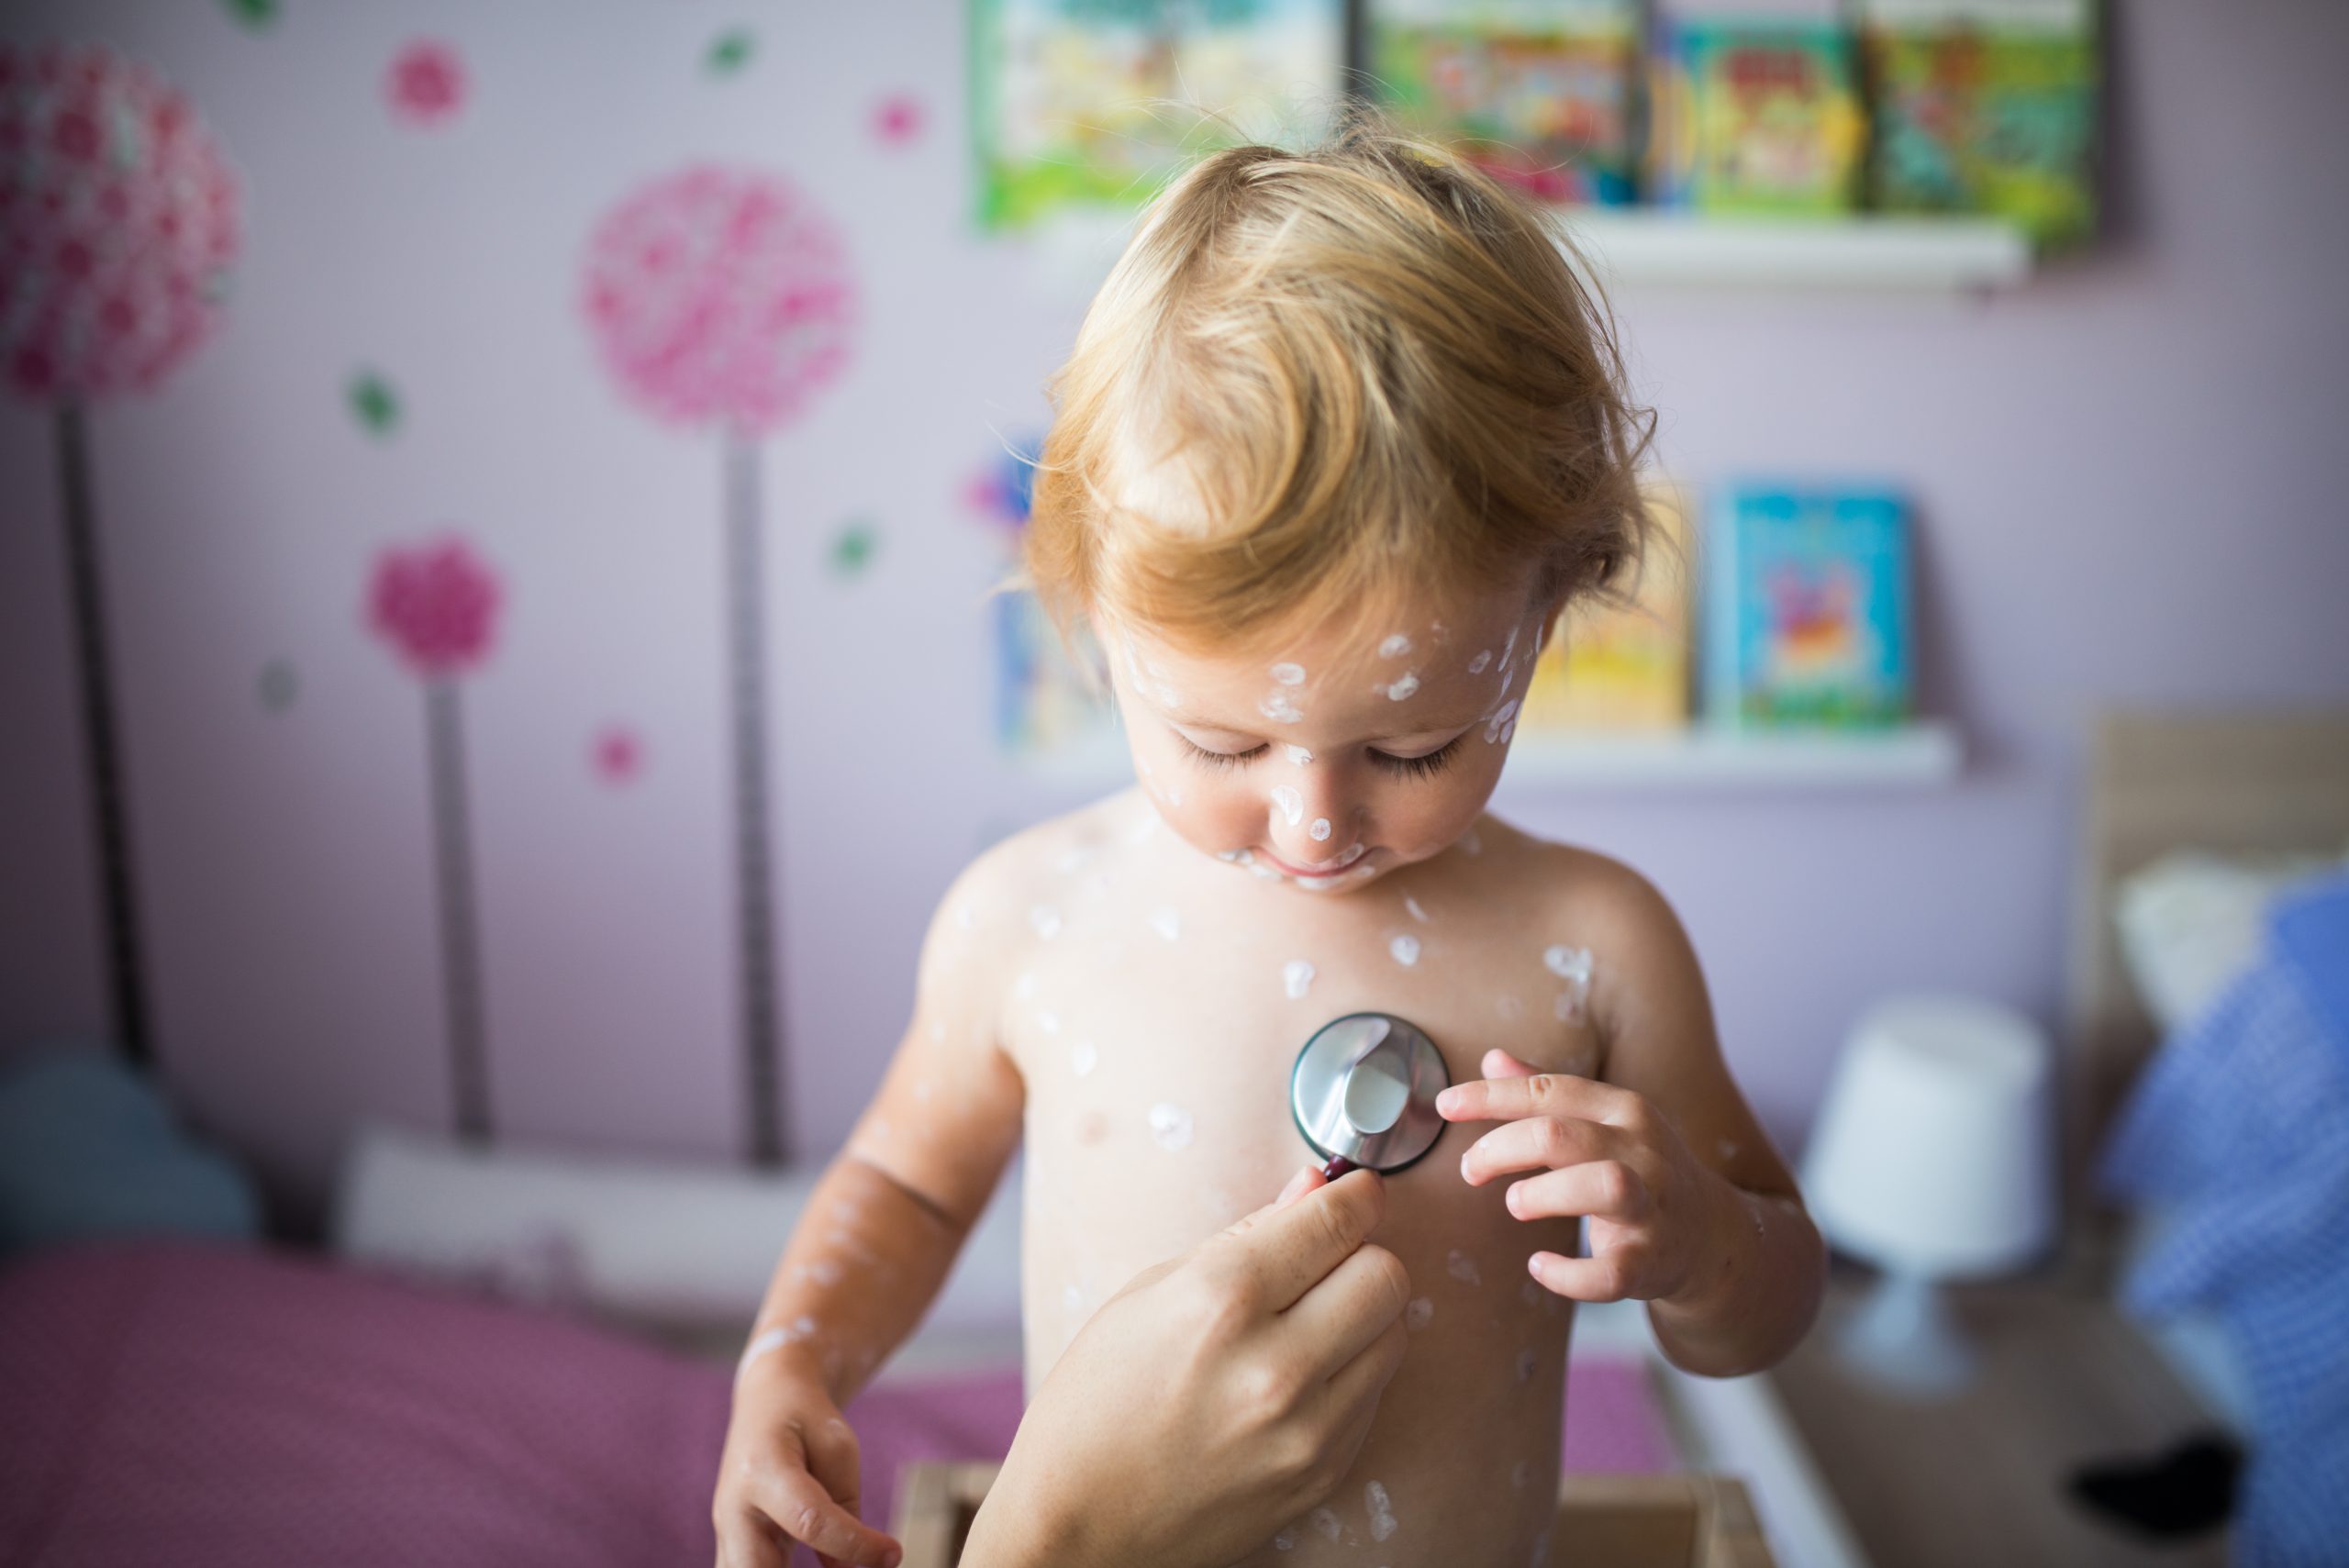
[2192,922]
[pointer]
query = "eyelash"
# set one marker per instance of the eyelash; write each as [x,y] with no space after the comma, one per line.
[1422,767]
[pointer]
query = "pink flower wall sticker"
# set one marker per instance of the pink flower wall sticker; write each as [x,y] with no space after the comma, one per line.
[118,221]
[721,298]
[425,84]
[436,605]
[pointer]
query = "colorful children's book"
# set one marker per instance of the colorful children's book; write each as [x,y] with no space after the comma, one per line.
[1757,117]
[1808,608]
[1623,667]
[1539,93]
[1985,106]
[1093,104]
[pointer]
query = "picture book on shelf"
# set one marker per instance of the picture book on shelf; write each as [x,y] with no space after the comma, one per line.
[1538,93]
[1623,667]
[1087,103]
[1808,607]
[1756,116]
[1985,106]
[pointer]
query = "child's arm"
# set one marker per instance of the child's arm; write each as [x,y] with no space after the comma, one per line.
[1690,1209]
[880,1232]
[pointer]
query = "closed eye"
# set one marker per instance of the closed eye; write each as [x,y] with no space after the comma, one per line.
[1208,758]
[1421,767]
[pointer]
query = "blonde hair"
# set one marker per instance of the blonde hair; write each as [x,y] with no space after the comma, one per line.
[1317,378]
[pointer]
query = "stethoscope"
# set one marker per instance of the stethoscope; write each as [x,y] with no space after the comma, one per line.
[1363,1092]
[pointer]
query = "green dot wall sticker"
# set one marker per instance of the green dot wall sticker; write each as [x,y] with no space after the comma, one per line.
[853,546]
[375,403]
[254,14]
[730,51]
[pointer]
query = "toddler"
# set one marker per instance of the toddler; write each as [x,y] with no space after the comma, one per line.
[1342,438]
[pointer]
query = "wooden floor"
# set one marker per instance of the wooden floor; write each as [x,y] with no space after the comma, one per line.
[1977,1481]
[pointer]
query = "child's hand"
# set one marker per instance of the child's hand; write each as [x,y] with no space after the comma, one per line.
[1603,1152]
[790,1473]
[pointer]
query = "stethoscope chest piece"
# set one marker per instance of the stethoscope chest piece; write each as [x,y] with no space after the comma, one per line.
[1363,1092]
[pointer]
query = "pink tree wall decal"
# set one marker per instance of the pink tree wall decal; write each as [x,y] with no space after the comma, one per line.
[118,221]
[437,607]
[720,299]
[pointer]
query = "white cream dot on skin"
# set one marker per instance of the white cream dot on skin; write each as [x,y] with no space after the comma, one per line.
[1320,830]
[1083,1057]
[1046,920]
[1395,646]
[1462,1267]
[1025,986]
[1292,804]
[1167,923]
[1471,843]
[1502,724]
[1325,1521]
[1541,1550]
[1296,978]
[1048,1022]
[962,916]
[1289,674]
[1418,913]
[1072,1299]
[1574,966]
[1406,949]
[1284,1541]
[1298,755]
[1419,1314]
[1381,1510]
[1403,688]
[1278,708]
[1170,1126]
[1174,796]
[1476,665]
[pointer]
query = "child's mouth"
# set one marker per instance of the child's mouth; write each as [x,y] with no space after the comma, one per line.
[1323,875]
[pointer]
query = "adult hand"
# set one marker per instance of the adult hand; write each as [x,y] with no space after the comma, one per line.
[1601,1151]
[1212,1400]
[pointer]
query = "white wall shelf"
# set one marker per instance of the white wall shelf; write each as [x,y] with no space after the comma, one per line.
[1911,756]
[1863,252]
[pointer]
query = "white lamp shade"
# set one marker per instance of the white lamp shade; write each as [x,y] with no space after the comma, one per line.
[1933,1154]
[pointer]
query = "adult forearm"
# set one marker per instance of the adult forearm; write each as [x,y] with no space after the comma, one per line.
[1757,1294]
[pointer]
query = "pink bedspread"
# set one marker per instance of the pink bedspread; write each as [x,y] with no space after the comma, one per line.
[199,1408]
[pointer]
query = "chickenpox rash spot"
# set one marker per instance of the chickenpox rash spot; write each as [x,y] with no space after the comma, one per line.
[1403,688]
[1298,755]
[1092,1128]
[1381,1509]
[1419,1314]
[1476,665]
[1296,978]
[1170,1125]
[1418,913]
[1292,804]
[1083,1057]
[1395,646]
[1288,674]
[1462,1267]
[1167,923]
[1406,949]
[1046,920]
[1527,1360]
[1320,830]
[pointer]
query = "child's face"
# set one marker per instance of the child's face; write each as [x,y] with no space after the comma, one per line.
[1335,757]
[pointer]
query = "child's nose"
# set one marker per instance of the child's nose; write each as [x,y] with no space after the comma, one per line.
[1310,823]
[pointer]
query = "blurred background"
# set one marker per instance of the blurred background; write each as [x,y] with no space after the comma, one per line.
[496,663]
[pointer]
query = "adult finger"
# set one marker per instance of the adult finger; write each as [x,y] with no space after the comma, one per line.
[1605,1189]
[1543,1094]
[1307,1179]
[1347,1311]
[1289,1250]
[1536,1144]
[1345,1403]
[807,1513]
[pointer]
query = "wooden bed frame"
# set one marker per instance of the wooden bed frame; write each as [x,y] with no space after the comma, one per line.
[2232,782]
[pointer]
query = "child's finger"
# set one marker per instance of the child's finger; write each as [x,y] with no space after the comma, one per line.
[1611,1276]
[1541,1094]
[833,1461]
[1602,1189]
[1536,1144]
[794,1500]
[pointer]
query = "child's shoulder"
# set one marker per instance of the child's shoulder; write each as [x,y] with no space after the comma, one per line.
[1573,888]
[1012,876]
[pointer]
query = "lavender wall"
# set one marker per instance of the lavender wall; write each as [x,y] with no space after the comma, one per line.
[2130,473]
